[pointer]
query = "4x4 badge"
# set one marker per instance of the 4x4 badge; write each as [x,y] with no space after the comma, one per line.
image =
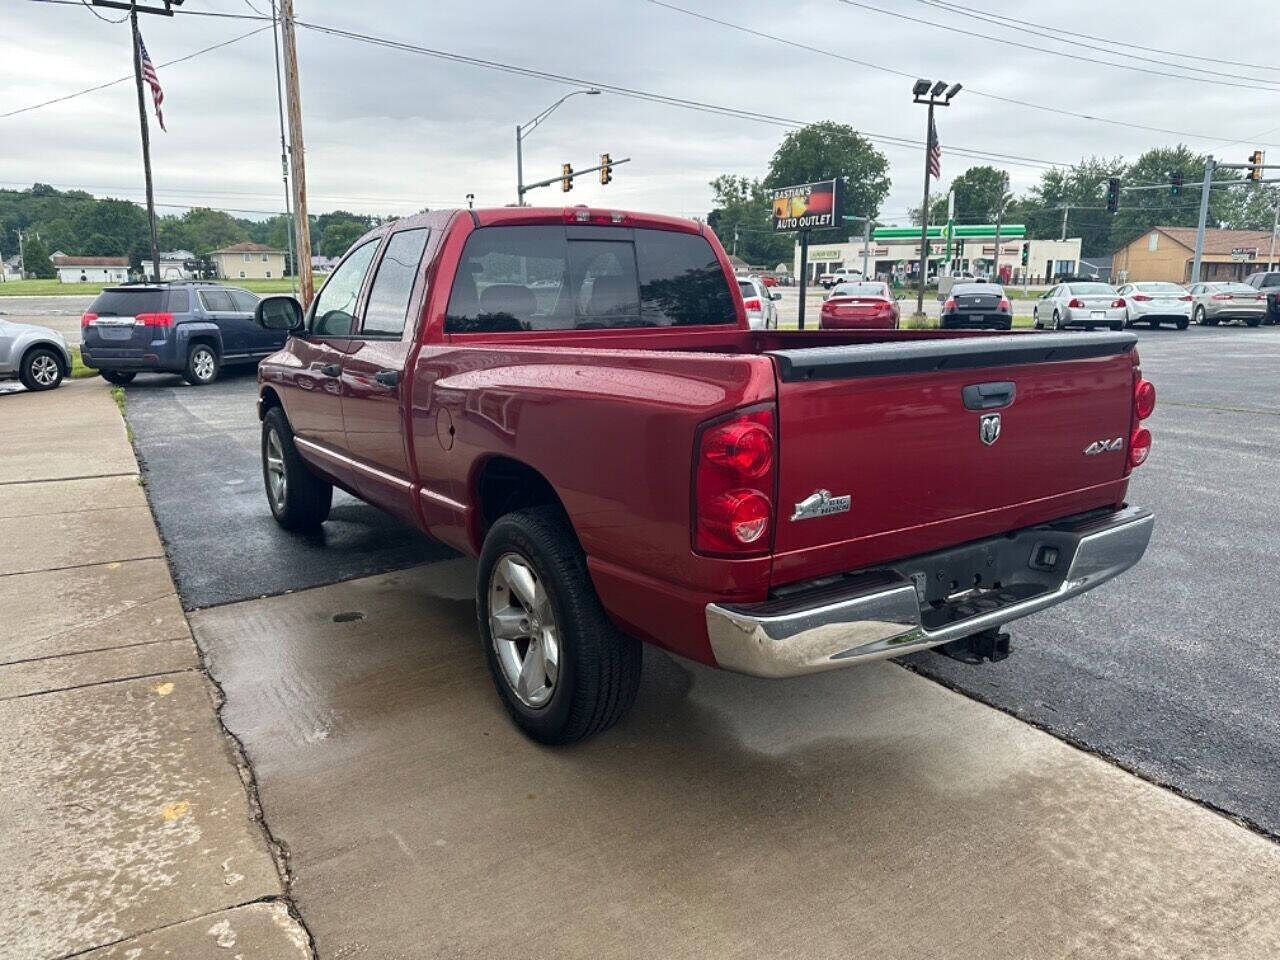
[989,428]
[821,503]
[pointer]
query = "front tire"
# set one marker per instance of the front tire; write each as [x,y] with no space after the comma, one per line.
[299,499]
[562,669]
[118,377]
[41,369]
[202,365]
[1202,318]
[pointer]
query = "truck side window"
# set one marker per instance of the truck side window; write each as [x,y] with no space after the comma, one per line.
[511,279]
[393,284]
[681,281]
[335,306]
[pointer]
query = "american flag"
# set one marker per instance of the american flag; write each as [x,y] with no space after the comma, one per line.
[149,75]
[935,151]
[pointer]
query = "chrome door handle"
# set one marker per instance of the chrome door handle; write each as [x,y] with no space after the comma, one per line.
[388,378]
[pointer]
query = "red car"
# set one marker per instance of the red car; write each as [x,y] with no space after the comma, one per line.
[574,397]
[769,280]
[860,305]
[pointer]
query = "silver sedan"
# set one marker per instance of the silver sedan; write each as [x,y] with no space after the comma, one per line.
[37,356]
[1214,303]
[1080,303]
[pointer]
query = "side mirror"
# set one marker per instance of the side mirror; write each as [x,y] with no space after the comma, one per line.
[775,295]
[278,313]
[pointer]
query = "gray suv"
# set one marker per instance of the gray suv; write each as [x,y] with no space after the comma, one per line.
[190,327]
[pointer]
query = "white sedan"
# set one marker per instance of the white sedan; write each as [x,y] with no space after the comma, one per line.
[1080,303]
[1156,302]
[762,312]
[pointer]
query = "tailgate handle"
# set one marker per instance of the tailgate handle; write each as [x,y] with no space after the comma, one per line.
[988,396]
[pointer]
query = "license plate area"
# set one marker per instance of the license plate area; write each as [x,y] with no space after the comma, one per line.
[1098,315]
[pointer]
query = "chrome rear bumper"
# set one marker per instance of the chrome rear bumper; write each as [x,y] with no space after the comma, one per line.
[886,613]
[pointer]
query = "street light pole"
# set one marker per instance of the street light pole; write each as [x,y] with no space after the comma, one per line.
[928,93]
[523,130]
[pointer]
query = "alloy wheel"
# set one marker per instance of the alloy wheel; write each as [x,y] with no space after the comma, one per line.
[202,363]
[277,479]
[44,370]
[523,625]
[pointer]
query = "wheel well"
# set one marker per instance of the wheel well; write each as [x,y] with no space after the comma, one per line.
[208,340]
[503,486]
[52,348]
[266,400]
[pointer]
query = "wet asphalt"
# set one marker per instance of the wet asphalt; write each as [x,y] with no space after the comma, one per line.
[1171,671]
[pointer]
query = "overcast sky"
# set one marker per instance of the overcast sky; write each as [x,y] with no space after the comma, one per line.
[390,132]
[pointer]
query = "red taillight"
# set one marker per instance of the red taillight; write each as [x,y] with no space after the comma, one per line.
[1139,447]
[156,319]
[1005,305]
[1186,298]
[949,305]
[1141,297]
[1117,303]
[1075,304]
[1144,398]
[752,304]
[733,485]
[87,319]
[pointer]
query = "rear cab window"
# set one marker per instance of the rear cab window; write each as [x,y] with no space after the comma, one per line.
[554,277]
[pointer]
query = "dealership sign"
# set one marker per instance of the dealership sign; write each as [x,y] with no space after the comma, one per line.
[1244,253]
[808,206]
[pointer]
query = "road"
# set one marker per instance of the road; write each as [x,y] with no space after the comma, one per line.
[1173,670]
[60,313]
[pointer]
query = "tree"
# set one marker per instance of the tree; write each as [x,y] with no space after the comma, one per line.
[339,235]
[35,258]
[115,228]
[1081,189]
[1142,210]
[829,150]
[208,230]
[743,204]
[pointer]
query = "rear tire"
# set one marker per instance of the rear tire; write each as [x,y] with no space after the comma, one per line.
[299,499]
[1252,321]
[1202,318]
[1182,323]
[118,377]
[1057,320]
[202,365]
[1118,325]
[41,369]
[532,570]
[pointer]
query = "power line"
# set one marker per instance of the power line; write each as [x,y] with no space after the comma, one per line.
[1057,53]
[183,12]
[112,83]
[102,17]
[1018,23]
[968,89]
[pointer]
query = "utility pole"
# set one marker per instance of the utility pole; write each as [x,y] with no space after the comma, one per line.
[284,151]
[1209,167]
[999,218]
[146,137]
[1271,254]
[1065,210]
[735,239]
[866,243]
[301,224]
[22,259]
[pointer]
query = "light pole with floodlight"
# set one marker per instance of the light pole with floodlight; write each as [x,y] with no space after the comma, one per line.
[523,130]
[928,94]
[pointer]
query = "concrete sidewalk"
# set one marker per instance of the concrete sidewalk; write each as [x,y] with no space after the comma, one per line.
[125,826]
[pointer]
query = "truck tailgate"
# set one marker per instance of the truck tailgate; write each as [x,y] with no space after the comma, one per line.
[898,428]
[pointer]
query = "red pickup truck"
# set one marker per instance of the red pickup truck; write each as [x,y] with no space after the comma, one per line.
[574,395]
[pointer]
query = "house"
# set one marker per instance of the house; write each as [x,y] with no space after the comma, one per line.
[11,269]
[248,261]
[177,265]
[73,269]
[1166,253]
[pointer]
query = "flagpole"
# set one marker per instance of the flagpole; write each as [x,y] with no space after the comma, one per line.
[924,213]
[146,139]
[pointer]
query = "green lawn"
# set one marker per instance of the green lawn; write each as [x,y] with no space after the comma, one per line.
[78,369]
[53,288]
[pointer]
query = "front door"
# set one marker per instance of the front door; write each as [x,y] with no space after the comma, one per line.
[315,406]
[373,375]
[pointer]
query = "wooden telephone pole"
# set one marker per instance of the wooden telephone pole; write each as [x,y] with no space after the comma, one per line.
[301,224]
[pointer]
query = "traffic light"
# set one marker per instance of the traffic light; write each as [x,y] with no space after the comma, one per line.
[1255,170]
[1175,183]
[606,168]
[566,178]
[1025,248]
[1113,194]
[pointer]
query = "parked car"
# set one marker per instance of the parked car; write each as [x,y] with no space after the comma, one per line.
[769,279]
[860,305]
[37,356]
[1269,283]
[982,304]
[1080,303]
[1225,301]
[762,312]
[1156,302]
[191,328]
[829,280]
[636,464]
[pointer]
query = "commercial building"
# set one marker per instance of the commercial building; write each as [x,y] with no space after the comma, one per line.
[900,258]
[248,261]
[1167,253]
[73,269]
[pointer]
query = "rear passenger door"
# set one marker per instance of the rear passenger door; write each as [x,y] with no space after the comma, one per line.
[258,340]
[373,374]
[220,309]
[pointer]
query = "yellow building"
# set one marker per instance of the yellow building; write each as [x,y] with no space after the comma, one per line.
[1166,253]
[248,261]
